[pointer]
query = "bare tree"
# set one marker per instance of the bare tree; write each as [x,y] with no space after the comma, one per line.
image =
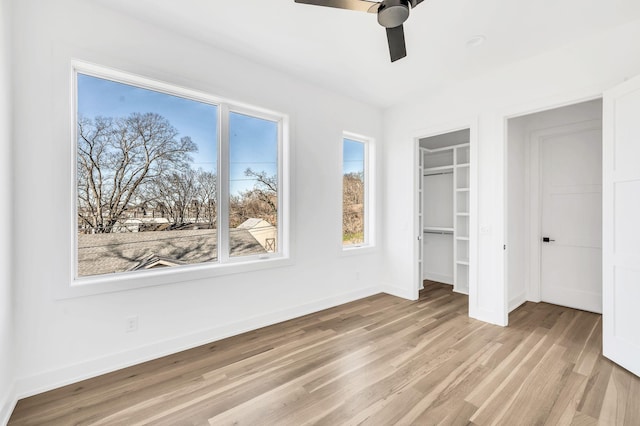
[116,157]
[260,202]
[186,197]
[207,195]
[353,207]
[175,195]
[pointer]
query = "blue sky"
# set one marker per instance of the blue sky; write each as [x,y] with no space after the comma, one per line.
[352,156]
[253,141]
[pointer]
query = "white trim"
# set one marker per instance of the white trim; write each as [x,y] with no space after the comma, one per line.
[81,286]
[154,277]
[517,301]
[474,233]
[52,379]
[8,404]
[357,250]
[399,292]
[418,218]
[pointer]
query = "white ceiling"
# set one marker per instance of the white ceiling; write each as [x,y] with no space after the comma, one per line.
[346,51]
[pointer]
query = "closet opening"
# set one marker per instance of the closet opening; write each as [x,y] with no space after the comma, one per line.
[553,226]
[444,191]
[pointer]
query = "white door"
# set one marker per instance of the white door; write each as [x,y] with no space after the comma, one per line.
[571,216]
[621,225]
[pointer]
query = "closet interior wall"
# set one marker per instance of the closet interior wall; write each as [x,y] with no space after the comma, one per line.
[445,209]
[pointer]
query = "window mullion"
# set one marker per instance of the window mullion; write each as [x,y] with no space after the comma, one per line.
[223,192]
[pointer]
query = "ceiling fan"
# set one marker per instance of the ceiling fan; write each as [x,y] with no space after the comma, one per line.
[391,15]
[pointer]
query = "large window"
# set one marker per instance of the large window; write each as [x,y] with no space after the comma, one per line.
[355,192]
[167,177]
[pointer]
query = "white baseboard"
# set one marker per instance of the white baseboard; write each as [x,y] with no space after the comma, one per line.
[8,404]
[491,317]
[399,292]
[38,383]
[516,301]
[445,279]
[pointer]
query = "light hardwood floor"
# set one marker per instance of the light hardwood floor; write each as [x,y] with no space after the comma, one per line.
[376,361]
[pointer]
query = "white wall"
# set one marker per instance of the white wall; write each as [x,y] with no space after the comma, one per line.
[519,213]
[6,293]
[562,76]
[74,338]
[437,251]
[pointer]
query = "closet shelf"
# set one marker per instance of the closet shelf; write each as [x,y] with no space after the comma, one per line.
[462,238]
[462,165]
[463,262]
[437,229]
[437,169]
[462,189]
[462,214]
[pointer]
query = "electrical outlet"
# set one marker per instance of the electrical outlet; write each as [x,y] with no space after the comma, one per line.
[131,324]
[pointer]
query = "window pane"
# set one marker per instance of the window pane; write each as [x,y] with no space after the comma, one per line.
[253,185]
[146,178]
[353,196]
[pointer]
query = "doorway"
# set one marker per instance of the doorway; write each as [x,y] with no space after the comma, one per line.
[554,207]
[445,209]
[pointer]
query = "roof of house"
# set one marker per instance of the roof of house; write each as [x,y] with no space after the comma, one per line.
[121,252]
[252,223]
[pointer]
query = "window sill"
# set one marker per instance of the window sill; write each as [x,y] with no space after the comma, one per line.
[358,250]
[89,286]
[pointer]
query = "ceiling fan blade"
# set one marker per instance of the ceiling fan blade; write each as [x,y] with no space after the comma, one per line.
[359,5]
[397,47]
[414,3]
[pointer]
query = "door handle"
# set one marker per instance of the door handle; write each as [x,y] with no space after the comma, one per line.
[547,240]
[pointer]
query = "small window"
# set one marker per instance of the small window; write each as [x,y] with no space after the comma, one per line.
[152,188]
[355,192]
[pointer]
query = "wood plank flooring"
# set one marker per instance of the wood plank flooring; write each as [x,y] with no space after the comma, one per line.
[377,361]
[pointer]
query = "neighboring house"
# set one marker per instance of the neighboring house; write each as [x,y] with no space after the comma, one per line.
[135,225]
[128,225]
[263,231]
[155,262]
[129,251]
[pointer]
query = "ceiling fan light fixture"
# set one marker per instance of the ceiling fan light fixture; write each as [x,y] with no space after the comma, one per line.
[393,13]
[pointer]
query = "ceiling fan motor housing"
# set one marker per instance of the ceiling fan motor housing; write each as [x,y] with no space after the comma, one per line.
[393,13]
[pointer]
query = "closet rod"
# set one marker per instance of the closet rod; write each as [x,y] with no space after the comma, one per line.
[438,174]
[438,232]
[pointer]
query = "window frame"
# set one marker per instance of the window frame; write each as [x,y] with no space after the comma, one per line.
[224,263]
[369,211]
[224,193]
